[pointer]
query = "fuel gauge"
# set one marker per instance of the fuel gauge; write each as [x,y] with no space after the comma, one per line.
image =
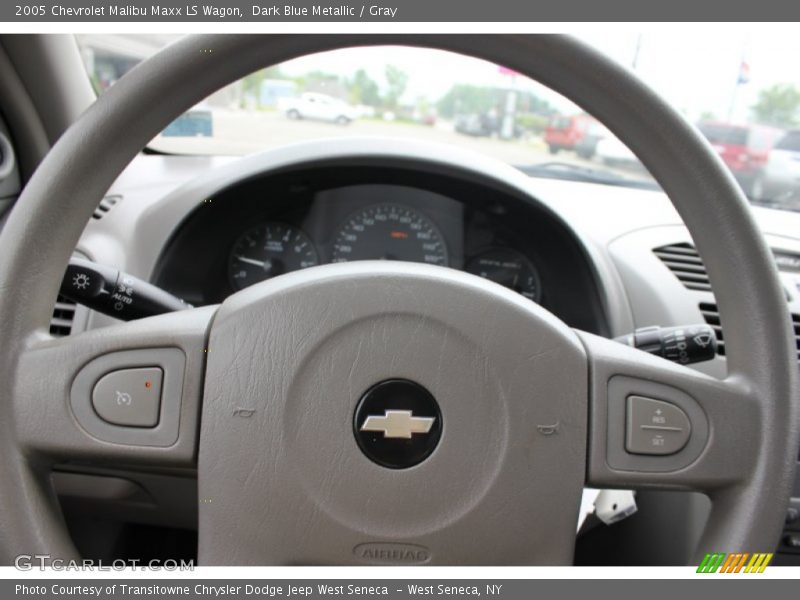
[509,268]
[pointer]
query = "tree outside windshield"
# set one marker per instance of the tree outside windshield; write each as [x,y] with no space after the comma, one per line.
[740,95]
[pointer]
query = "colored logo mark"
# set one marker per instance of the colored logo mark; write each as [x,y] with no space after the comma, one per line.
[740,562]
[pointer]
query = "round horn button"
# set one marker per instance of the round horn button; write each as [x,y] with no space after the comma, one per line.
[397,423]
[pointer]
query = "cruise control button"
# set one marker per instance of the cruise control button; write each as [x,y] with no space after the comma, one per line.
[655,427]
[129,397]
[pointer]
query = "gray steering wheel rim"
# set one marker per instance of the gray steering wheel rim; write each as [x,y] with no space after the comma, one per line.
[60,197]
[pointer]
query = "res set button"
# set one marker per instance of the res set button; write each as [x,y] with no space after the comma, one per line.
[655,427]
[129,397]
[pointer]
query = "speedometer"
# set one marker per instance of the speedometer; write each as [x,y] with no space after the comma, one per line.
[390,232]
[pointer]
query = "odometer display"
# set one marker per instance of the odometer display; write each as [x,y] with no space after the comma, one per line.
[269,250]
[390,232]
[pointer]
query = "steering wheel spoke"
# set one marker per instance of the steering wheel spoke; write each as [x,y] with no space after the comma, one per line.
[127,393]
[657,424]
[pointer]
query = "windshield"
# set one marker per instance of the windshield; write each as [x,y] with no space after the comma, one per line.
[791,142]
[739,96]
[724,134]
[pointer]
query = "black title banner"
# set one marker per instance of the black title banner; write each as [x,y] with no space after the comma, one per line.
[463,11]
[377,589]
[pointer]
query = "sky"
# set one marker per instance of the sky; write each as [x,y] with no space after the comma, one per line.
[694,69]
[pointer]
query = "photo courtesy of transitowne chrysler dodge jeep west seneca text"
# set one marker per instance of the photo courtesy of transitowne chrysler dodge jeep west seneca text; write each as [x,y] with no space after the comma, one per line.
[431,310]
[262,591]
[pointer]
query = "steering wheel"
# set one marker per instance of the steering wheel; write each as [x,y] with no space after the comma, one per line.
[263,393]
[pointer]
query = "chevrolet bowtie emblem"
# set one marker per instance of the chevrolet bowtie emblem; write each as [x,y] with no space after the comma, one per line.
[387,429]
[398,424]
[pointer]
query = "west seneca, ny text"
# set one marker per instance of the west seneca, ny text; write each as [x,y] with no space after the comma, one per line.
[208,11]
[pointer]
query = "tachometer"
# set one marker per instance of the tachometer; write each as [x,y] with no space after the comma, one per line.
[390,232]
[268,250]
[508,268]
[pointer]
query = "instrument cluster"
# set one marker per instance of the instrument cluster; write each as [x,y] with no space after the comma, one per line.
[379,231]
[259,228]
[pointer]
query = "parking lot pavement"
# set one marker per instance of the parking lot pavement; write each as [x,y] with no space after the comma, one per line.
[245,132]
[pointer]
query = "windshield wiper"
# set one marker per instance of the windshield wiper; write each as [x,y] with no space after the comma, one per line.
[570,172]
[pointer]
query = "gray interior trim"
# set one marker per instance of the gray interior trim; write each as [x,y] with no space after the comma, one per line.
[128,496]
[46,433]
[499,366]
[51,69]
[24,123]
[9,161]
[619,388]
[10,183]
[165,433]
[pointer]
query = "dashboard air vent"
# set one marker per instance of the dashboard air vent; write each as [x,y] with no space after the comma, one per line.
[711,315]
[106,204]
[684,261]
[63,316]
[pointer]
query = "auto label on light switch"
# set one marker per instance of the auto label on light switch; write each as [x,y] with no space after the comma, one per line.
[655,427]
[129,397]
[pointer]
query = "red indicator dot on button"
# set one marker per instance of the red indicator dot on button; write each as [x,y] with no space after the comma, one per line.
[148,384]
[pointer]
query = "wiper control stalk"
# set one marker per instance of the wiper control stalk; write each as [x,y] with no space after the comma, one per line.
[684,344]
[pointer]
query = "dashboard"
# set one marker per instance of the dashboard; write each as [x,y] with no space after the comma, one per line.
[263,227]
[603,259]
